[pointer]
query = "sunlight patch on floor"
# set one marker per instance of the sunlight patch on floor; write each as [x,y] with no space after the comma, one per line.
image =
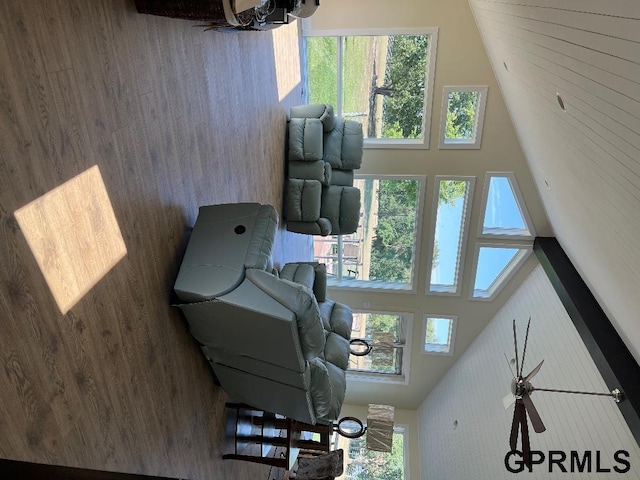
[74,236]
[287,59]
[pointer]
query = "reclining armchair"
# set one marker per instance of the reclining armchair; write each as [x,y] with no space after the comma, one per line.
[274,341]
[323,153]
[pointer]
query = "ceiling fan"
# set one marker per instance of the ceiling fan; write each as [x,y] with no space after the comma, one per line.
[521,390]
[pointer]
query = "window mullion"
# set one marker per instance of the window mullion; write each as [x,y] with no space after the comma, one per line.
[339,105]
[340,247]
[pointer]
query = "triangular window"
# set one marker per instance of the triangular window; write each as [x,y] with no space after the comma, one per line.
[495,265]
[503,212]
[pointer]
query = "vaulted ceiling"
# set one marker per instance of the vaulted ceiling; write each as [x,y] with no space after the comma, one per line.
[569,71]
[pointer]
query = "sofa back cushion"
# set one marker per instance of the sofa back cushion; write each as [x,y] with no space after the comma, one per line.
[337,350]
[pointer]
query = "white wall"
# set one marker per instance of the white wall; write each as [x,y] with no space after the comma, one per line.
[461,60]
[472,391]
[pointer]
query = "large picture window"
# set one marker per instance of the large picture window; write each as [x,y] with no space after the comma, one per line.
[389,334]
[383,251]
[363,464]
[383,80]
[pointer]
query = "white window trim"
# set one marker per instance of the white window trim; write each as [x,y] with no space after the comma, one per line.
[432,48]
[406,354]
[505,276]
[452,336]
[521,206]
[466,218]
[479,120]
[373,285]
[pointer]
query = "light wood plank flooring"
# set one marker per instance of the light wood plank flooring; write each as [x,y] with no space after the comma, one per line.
[175,118]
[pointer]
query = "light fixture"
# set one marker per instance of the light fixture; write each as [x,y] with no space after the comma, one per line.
[379,427]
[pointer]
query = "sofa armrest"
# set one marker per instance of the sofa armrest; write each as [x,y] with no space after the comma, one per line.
[225,240]
[318,170]
[301,301]
[322,227]
[323,112]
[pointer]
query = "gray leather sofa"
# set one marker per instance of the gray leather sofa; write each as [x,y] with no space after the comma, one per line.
[323,152]
[273,339]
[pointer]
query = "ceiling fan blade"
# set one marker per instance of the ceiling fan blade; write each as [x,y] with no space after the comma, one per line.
[515,345]
[534,372]
[526,446]
[524,350]
[513,439]
[508,400]
[536,421]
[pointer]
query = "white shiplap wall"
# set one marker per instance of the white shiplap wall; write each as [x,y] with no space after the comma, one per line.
[472,393]
[585,160]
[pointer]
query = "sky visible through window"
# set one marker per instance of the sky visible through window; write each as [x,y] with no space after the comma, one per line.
[502,208]
[491,263]
[441,328]
[448,236]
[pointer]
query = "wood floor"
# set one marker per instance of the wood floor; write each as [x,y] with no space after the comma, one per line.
[175,118]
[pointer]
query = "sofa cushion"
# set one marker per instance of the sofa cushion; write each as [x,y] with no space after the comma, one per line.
[336,317]
[341,206]
[338,380]
[337,350]
[352,145]
[302,273]
[303,200]
[320,387]
[305,139]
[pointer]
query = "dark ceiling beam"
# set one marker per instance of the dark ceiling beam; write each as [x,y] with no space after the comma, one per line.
[612,357]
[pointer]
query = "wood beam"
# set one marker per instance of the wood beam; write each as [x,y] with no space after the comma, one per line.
[612,357]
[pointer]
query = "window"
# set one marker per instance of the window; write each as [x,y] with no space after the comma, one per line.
[507,236]
[381,79]
[452,197]
[388,334]
[363,464]
[503,214]
[439,334]
[382,252]
[462,116]
[495,264]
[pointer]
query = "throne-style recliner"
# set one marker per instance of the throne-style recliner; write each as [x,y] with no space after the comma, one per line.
[273,339]
[323,152]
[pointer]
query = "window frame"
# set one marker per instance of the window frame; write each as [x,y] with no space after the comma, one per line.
[452,334]
[521,242]
[479,119]
[377,377]
[464,237]
[386,286]
[432,48]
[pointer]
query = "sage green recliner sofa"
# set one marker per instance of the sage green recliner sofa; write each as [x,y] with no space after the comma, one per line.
[273,339]
[323,152]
